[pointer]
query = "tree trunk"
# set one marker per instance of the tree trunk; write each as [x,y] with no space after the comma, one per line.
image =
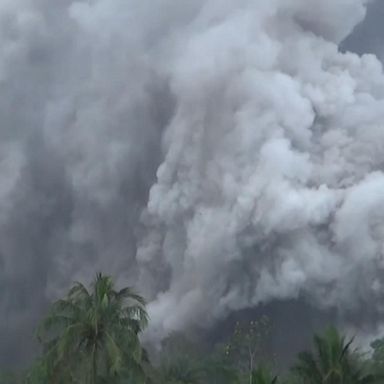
[94,365]
[250,366]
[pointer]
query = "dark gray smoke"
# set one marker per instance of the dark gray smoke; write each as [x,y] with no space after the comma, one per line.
[217,154]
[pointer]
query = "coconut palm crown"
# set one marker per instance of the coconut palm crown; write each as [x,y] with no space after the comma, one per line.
[99,326]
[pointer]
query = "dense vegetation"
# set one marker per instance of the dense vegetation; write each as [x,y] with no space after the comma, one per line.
[92,337]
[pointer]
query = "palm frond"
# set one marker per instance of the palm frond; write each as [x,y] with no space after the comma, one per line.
[307,367]
[129,294]
[114,354]
[78,291]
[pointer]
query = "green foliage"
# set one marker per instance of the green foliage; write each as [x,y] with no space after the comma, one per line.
[262,375]
[180,362]
[377,361]
[217,369]
[38,373]
[331,362]
[182,370]
[185,362]
[92,336]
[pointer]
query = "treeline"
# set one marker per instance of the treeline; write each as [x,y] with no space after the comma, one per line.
[92,336]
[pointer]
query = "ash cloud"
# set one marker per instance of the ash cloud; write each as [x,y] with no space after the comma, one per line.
[217,155]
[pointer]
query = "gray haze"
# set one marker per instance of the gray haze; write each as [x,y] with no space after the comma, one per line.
[215,154]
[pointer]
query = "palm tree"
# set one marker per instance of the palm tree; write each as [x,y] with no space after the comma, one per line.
[92,335]
[332,362]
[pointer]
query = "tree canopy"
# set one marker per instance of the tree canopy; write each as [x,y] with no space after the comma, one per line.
[92,336]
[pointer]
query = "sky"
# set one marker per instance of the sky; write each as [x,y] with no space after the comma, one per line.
[368,36]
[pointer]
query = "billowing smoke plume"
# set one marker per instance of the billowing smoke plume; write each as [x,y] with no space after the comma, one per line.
[271,184]
[216,154]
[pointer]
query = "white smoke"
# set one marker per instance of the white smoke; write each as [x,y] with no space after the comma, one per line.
[219,154]
[271,185]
